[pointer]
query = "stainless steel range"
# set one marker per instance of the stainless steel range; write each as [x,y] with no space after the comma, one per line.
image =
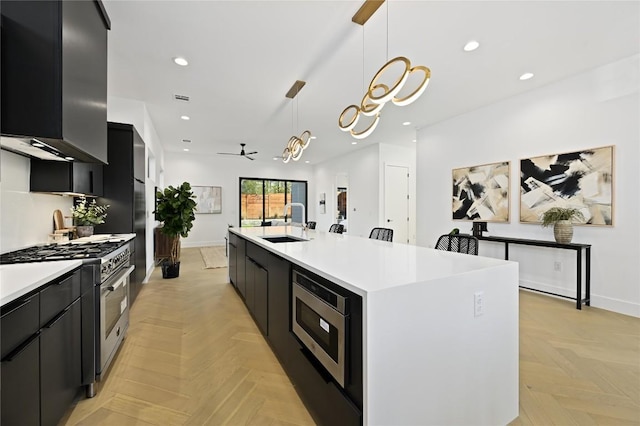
[106,273]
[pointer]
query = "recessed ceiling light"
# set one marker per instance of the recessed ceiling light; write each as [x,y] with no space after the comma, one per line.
[471,45]
[181,61]
[526,76]
[313,137]
[414,140]
[186,150]
[185,117]
[306,161]
[354,143]
[276,158]
[406,123]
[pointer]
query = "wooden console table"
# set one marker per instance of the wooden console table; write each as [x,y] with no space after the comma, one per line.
[579,248]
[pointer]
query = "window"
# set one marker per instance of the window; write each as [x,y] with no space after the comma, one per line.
[262,201]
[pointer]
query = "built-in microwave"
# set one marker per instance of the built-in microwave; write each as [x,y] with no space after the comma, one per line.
[319,320]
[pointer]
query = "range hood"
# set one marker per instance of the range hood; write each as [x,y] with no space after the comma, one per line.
[33,148]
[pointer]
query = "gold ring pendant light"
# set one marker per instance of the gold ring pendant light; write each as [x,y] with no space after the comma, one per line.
[378,94]
[296,144]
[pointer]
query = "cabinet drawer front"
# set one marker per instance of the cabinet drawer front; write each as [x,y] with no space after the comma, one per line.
[258,254]
[57,296]
[20,319]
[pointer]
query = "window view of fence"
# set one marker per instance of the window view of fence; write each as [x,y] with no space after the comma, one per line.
[262,201]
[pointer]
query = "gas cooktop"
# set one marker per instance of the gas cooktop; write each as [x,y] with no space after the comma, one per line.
[69,251]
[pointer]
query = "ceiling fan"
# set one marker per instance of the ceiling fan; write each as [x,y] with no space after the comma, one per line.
[242,153]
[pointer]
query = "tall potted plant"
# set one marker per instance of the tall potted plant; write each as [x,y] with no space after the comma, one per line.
[175,208]
[562,220]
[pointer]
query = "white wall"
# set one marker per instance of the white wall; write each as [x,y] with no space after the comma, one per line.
[362,169]
[213,170]
[25,218]
[592,109]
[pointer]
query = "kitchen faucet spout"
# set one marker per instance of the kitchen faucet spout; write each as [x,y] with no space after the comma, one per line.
[286,207]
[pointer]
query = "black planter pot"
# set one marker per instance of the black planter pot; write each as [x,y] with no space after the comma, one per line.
[170,270]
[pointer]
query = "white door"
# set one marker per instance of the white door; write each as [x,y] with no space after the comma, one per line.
[396,202]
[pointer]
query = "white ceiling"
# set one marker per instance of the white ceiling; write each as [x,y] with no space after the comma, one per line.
[245,55]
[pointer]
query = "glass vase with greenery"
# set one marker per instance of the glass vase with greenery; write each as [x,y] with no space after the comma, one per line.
[88,214]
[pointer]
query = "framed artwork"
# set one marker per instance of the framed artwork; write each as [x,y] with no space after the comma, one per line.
[208,199]
[481,193]
[581,179]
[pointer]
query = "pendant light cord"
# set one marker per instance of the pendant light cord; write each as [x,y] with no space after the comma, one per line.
[387,30]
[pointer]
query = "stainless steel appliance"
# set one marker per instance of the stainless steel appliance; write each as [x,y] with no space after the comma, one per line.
[105,302]
[319,318]
[112,301]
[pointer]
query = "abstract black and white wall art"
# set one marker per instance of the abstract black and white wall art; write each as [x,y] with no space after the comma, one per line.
[481,193]
[581,179]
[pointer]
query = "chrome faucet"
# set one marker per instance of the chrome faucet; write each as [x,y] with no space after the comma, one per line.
[286,206]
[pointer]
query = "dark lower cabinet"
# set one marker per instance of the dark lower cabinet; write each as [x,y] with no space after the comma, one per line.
[278,302]
[20,385]
[261,291]
[42,351]
[326,403]
[233,263]
[60,364]
[241,251]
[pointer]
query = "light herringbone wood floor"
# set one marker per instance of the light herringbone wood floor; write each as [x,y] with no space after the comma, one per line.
[193,356]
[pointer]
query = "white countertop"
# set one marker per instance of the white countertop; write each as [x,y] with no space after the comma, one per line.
[364,265]
[19,279]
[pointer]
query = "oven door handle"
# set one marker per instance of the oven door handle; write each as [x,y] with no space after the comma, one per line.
[119,279]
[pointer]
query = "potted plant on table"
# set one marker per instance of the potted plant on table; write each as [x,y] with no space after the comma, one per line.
[562,220]
[87,215]
[175,208]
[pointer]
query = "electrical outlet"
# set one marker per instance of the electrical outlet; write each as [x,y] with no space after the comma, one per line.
[557,266]
[478,303]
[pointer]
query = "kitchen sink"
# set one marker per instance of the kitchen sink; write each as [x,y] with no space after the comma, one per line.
[283,239]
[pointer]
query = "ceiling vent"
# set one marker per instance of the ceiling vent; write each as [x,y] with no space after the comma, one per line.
[181,98]
[186,140]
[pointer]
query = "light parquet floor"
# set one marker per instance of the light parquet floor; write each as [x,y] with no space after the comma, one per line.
[193,356]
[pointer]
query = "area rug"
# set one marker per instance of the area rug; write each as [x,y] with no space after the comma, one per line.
[213,257]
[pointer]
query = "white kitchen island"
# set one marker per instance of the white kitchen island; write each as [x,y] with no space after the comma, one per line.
[440,329]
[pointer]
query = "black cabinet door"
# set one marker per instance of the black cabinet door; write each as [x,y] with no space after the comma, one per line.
[241,267]
[261,293]
[250,273]
[60,363]
[233,264]
[20,385]
[62,176]
[279,311]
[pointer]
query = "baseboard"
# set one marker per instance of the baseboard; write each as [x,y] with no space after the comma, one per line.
[608,303]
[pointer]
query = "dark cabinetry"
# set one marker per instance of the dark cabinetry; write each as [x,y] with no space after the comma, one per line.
[60,364]
[20,380]
[124,191]
[62,176]
[41,353]
[54,75]
[264,281]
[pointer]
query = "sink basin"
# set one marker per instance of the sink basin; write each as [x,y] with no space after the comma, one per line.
[283,239]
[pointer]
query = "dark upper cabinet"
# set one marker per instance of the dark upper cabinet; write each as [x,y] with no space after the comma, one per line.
[124,191]
[63,176]
[54,75]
